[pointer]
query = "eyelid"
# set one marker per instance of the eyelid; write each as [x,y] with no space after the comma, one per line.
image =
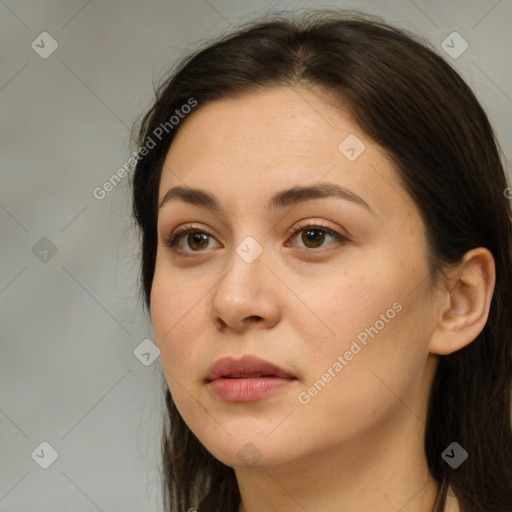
[302,225]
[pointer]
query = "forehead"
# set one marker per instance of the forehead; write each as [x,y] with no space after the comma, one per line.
[262,123]
[273,139]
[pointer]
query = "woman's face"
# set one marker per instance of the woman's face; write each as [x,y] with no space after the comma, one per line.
[314,260]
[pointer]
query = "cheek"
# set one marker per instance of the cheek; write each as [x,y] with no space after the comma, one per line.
[377,323]
[175,306]
[377,357]
[178,316]
[174,314]
[354,304]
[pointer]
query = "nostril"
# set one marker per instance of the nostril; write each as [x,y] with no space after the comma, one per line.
[254,317]
[222,325]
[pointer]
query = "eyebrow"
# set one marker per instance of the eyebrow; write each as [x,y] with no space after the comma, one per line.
[282,199]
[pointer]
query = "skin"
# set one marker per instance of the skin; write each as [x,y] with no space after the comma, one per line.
[358,444]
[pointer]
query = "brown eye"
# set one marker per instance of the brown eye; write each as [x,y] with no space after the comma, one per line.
[313,238]
[197,241]
[189,240]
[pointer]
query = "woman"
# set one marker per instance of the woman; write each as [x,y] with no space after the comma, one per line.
[326,255]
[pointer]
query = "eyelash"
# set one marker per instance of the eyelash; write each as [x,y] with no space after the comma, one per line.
[172,240]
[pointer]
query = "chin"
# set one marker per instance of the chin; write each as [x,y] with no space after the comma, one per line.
[249,452]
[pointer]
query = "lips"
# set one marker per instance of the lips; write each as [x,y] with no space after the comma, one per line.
[248,379]
[245,368]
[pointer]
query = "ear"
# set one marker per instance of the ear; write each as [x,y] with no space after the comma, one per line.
[464,302]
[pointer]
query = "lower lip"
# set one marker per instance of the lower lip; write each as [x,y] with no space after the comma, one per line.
[248,390]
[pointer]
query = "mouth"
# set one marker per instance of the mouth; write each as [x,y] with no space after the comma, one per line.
[247,367]
[247,379]
[246,376]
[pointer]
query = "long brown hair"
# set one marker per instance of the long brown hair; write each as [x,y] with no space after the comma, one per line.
[411,102]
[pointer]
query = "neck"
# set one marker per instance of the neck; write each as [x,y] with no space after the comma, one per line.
[385,470]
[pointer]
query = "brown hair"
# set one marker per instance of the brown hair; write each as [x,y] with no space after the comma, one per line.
[411,102]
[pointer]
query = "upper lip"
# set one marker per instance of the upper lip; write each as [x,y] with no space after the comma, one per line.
[228,366]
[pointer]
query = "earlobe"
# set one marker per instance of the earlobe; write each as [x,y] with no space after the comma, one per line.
[465,302]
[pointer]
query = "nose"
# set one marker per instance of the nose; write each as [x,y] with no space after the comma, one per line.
[246,296]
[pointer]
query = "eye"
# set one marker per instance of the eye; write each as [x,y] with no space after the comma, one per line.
[197,239]
[193,236]
[314,235]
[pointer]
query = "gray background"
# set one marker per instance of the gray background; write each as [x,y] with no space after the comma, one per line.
[71,321]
